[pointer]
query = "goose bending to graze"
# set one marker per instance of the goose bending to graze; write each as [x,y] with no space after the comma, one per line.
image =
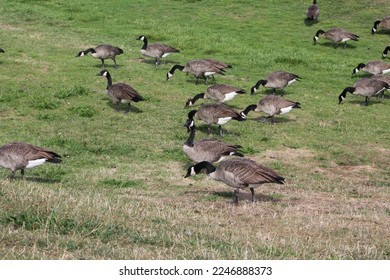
[238,173]
[272,105]
[384,23]
[217,113]
[277,80]
[102,52]
[367,87]
[384,54]
[19,156]
[313,12]
[374,67]
[336,35]
[202,68]
[220,92]
[156,51]
[120,92]
[207,149]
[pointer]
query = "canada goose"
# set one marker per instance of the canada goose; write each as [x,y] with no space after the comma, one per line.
[19,156]
[201,68]
[272,105]
[221,93]
[216,113]
[156,51]
[374,67]
[120,92]
[337,35]
[1,50]
[383,78]
[238,173]
[102,52]
[384,54]
[367,87]
[313,11]
[277,80]
[384,23]
[207,149]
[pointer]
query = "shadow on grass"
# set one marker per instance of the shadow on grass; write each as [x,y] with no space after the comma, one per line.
[310,22]
[362,103]
[338,46]
[215,130]
[246,196]
[40,180]
[123,107]
[162,61]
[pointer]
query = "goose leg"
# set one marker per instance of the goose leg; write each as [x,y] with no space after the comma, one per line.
[13,175]
[116,66]
[235,199]
[22,172]
[157,61]
[253,194]
[209,129]
[117,106]
[220,131]
[366,102]
[128,108]
[206,79]
[103,63]
[273,91]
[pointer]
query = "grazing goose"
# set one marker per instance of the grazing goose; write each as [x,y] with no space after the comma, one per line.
[367,87]
[337,35]
[277,80]
[19,156]
[207,149]
[201,68]
[120,92]
[374,67]
[156,51]
[102,52]
[384,54]
[217,113]
[238,173]
[384,78]
[384,23]
[313,11]
[271,105]
[221,93]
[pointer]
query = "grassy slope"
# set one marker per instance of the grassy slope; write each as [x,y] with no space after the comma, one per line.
[120,192]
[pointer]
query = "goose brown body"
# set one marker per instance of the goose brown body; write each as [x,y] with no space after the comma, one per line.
[238,173]
[219,92]
[276,80]
[217,113]
[336,35]
[313,12]
[103,52]
[19,156]
[374,67]
[120,92]
[384,23]
[207,149]
[156,50]
[201,68]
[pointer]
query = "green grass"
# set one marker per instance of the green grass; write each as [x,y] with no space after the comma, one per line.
[120,192]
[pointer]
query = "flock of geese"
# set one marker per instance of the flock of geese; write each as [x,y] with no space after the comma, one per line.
[238,172]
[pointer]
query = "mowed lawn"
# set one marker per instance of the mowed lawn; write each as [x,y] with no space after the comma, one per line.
[120,192]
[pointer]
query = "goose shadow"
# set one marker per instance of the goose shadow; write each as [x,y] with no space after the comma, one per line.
[215,131]
[112,66]
[245,195]
[162,61]
[336,46]
[277,120]
[123,107]
[270,91]
[310,22]
[41,180]
[363,104]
